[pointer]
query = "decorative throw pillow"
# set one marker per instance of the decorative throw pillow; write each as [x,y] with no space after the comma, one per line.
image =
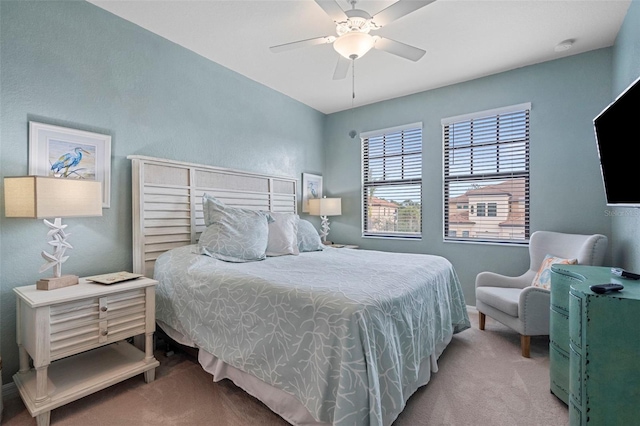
[283,233]
[308,237]
[543,277]
[233,234]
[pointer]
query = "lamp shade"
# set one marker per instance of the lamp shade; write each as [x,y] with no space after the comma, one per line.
[325,207]
[353,45]
[42,197]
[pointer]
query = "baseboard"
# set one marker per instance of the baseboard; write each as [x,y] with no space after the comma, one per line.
[9,391]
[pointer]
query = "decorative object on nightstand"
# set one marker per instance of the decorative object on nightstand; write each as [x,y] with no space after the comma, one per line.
[42,197]
[324,207]
[76,340]
[346,246]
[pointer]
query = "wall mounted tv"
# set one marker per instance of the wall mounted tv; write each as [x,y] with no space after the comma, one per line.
[617,130]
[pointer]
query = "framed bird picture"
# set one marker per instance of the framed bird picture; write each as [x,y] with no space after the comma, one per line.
[70,154]
[311,188]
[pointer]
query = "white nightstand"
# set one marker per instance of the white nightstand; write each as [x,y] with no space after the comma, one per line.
[83,329]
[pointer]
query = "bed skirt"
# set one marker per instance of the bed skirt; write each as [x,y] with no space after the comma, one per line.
[278,401]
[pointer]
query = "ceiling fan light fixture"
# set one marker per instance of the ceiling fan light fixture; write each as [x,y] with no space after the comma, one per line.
[353,45]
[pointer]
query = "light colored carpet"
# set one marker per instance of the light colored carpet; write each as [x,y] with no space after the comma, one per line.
[482,380]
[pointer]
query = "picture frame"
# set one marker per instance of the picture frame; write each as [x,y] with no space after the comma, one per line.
[72,154]
[311,188]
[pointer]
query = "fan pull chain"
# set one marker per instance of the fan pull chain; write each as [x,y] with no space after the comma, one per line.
[353,81]
[353,133]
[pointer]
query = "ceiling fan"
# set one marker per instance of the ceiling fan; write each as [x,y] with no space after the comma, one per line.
[353,26]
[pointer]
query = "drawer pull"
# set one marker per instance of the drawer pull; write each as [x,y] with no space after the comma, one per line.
[104,332]
[103,309]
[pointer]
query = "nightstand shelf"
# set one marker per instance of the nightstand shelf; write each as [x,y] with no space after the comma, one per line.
[81,375]
[76,339]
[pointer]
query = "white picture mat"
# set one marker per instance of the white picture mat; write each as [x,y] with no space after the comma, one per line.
[311,188]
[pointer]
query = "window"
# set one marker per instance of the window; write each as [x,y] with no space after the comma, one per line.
[392,182]
[486,164]
[492,209]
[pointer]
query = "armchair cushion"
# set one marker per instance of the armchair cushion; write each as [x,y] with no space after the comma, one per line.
[501,298]
[543,277]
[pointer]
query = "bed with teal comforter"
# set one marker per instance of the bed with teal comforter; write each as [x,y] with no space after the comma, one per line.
[343,331]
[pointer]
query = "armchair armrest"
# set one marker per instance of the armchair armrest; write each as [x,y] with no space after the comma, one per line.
[533,310]
[491,279]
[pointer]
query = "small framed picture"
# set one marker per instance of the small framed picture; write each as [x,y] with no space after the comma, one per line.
[71,154]
[311,188]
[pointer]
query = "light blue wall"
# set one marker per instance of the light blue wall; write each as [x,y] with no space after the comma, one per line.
[626,68]
[73,64]
[566,189]
[76,65]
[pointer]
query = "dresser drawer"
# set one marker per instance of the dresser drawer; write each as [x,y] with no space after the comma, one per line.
[560,286]
[88,323]
[575,413]
[575,325]
[559,326]
[575,376]
[559,373]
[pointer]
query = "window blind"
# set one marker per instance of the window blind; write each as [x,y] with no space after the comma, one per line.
[392,182]
[486,176]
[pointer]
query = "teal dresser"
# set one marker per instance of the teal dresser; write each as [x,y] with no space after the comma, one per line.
[559,329]
[604,347]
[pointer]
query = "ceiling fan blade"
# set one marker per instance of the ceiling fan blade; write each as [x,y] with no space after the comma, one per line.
[332,9]
[302,43]
[342,67]
[397,10]
[400,49]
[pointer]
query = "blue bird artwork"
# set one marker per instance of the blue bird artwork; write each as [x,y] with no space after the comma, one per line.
[313,191]
[67,163]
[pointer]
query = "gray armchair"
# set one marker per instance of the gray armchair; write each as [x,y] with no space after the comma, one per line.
[514,302]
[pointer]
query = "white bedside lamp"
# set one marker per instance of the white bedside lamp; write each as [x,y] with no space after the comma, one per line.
[324,207]
[41,197]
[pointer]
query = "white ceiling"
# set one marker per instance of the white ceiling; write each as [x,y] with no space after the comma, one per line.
[464,40]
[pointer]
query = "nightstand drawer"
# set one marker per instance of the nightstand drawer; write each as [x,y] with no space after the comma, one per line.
[90,323]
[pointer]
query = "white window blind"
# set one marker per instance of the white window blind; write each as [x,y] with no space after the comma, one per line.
[392,182]
[486,176]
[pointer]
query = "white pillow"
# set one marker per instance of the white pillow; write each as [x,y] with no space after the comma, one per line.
[283,234]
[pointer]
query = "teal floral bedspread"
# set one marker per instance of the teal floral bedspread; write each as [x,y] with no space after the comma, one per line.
[342,330]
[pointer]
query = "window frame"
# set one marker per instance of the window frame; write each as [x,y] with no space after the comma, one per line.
[487,176]
[364,188]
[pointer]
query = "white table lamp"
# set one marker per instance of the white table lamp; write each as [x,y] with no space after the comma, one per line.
[41,197]
[324,207]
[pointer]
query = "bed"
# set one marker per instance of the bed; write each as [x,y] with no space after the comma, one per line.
[335,336]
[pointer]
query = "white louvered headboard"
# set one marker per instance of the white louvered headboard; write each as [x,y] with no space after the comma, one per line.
[167,202]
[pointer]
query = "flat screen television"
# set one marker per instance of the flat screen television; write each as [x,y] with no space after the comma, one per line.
[617,130]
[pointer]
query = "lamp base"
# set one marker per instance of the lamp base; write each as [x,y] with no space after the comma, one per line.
[56,282]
